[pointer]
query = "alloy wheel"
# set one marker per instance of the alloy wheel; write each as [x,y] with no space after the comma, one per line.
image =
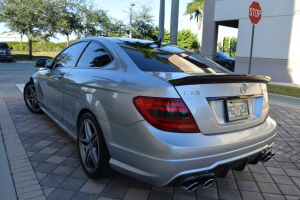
[31,98]
[89,145]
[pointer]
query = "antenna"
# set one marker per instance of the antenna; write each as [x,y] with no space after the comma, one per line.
[158,43]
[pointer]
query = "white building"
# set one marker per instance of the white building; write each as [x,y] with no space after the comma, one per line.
[12,37]
[276,47]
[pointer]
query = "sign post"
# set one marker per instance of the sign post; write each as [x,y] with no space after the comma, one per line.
[255,13]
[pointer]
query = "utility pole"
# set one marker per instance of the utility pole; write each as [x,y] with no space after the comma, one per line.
[130,31]
[161,25]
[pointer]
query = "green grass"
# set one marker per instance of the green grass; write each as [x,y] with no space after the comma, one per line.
[23,56]
[284,90]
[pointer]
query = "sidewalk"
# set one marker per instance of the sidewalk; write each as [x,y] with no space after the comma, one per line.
[43,163]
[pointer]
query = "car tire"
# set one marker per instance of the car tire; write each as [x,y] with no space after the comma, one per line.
[30,98]
[92,149]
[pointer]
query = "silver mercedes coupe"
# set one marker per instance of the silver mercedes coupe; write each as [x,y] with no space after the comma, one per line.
[156,112]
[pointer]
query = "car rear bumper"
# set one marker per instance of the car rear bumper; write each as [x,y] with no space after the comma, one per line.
[220,169]
[163,158]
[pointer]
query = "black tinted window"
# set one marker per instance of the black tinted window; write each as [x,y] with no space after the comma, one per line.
[169,59]
[69,56]
[94,56]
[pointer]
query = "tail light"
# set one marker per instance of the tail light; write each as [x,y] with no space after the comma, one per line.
[167,114]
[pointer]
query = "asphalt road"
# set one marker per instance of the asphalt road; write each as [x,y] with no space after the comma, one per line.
[12,73]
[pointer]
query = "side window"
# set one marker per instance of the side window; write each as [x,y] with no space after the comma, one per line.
[69,56]
[94,56]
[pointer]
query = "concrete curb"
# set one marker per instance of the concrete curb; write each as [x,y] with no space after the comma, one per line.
[284,100]
[284,84]
[25,61]
[7,188]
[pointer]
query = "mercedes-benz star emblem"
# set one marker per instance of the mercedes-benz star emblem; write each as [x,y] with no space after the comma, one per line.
[243,89]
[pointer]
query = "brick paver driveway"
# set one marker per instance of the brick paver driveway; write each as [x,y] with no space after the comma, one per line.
[44,163]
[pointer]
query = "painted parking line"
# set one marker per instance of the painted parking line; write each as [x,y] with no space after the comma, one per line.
[20,87]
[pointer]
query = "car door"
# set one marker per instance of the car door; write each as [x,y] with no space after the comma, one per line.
[51,79]
[78,88]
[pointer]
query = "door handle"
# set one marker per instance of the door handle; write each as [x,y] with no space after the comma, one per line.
[60,76]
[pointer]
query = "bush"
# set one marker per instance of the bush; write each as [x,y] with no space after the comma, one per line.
[226,44]
[37,47]
[233,42]
[166,36]
[186,39]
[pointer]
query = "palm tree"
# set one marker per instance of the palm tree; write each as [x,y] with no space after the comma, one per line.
[196,8]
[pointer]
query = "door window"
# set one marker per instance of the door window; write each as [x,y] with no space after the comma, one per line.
[94,56]
[69,56]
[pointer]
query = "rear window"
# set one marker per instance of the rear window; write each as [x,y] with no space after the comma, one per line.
[169,59]
[3,45]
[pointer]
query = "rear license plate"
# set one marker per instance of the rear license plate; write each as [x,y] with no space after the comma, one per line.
[237,109]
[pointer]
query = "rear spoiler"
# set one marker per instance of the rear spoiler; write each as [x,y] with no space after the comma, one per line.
[211,79]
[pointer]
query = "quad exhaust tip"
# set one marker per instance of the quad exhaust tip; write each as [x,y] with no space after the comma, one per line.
[194,185]
[268,156]
[193,182]
[208,183]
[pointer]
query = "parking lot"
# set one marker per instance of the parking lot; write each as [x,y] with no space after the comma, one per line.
[44,163]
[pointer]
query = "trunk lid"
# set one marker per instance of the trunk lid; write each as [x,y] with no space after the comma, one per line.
[218,102]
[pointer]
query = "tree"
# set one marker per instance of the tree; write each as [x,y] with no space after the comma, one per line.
[188,40]
[96,22]
[166,37]
[233,42]
[220,46]
[30,17]
[68,17]
[93,21]
[116,28]
[196,8]
[226,44]
[143,23]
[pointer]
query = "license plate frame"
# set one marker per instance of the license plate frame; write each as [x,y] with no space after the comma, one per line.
[237,109]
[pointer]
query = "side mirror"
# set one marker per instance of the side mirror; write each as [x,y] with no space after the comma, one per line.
[11,48]
[41,62]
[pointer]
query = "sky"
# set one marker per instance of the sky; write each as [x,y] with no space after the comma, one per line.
[118,9]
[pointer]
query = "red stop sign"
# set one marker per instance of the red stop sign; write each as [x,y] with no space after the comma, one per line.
[255,12]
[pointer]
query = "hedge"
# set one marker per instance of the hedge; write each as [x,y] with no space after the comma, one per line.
[37,47]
